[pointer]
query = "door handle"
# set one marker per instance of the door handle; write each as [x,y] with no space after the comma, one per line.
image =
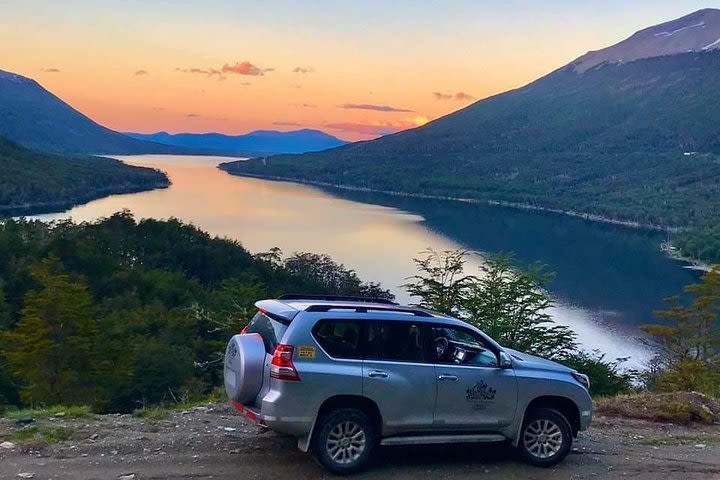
[377,374]
[447,378]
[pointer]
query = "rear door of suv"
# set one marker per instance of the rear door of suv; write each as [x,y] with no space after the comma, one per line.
[398,375]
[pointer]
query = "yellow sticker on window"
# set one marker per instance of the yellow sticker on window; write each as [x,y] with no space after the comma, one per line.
[306,352]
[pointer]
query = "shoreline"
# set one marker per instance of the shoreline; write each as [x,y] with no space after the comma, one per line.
[7,212]
[666,247]
[495,203]
[673,252]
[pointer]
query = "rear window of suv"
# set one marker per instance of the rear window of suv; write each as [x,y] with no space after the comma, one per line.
[339,338]
[270,330]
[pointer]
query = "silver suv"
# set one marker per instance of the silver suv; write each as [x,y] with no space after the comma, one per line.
[346,375]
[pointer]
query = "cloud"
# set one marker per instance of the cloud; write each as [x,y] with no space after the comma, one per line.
[463,96]
[193,115]
[303,70]
[449,96]
[376,108]
[363,128]
[51,70]
[245,68]
[139,73]
[240,68]
[210,72]
[282,123]
[379,128]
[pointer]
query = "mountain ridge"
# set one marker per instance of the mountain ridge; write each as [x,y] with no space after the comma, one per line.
[36,118]
[256,142]
[696,32]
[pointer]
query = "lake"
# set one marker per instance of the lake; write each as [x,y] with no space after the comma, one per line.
[609,279]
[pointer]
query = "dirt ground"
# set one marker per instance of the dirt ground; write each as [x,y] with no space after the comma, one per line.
[213,442]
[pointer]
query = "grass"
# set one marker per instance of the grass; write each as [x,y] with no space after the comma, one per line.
[157,413]
[41,435]
[153,414]
[58,410]
[677,407]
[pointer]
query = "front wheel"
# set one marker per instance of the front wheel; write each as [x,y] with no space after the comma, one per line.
[546,437]
[345,441]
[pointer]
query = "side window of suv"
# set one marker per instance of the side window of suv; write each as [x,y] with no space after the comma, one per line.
[396,342]
[339,338]
[456,346]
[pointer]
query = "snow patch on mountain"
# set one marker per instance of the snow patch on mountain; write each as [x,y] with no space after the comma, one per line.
[697,32]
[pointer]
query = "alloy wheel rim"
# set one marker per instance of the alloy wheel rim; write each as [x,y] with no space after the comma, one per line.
[346,442]
[543,438]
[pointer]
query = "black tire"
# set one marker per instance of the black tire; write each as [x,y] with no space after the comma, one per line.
[547,450]
[347,459]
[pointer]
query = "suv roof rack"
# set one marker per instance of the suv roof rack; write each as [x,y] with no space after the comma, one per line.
[363,309]
[337,298]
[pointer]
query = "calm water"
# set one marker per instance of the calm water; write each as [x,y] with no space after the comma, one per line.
[609,279]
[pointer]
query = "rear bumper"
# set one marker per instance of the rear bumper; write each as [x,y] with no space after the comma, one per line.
[249,413]
[297,426]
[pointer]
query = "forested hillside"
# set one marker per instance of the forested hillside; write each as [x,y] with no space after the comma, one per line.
[121,314]
[31,181]
[638,142]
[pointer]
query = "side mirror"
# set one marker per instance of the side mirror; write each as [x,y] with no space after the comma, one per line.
[505,360]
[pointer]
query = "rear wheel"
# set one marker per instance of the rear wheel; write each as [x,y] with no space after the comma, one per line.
[345,441]
[546,437]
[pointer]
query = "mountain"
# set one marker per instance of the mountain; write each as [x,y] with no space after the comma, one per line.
[258,142]
[697,32]
[34,117]
[636,141]
[32,182]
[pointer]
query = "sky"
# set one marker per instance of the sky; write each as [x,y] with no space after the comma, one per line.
[354,69]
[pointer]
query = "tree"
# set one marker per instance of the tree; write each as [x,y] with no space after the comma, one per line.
[51,349]
[327,276]
[689,346]
[693,331]
[511,305]
[8,389]
[442,282]
[5,317]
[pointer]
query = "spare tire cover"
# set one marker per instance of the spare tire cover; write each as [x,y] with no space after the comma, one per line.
[244,364]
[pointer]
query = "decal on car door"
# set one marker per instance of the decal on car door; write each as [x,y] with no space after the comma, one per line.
[479,395]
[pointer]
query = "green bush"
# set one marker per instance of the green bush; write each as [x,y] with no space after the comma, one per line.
[606,378]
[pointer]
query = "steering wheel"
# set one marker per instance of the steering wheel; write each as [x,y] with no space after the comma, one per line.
[441,346]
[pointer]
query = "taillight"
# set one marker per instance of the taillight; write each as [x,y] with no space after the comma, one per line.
[282,366]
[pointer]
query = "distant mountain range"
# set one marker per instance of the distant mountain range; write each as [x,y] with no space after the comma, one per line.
[254,143]
[630,132]
[32,116]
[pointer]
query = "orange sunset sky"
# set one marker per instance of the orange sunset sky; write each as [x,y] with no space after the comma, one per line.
[354,69]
